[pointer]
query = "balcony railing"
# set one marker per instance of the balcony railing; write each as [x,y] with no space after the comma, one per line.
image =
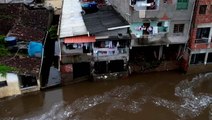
[202,40]
[97,52]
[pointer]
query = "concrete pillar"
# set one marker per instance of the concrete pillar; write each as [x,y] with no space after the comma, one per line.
[189,61]
[210,36]
[160,52]
[206,57]
[179,51]
[209,41]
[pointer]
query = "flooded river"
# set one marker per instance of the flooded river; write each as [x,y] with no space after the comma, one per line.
[152,96]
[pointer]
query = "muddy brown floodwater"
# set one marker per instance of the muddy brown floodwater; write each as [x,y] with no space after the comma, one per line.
[152,96]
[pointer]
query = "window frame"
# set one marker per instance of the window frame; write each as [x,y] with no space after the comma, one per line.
[209,58]
[200,34]
[182,5]
[202,9]
[195,58]
[178,28]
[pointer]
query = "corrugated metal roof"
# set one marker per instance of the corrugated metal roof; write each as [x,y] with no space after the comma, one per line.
[71,23]
[80,39]
[105,18]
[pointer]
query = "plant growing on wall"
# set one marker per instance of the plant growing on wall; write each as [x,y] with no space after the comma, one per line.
[53,32]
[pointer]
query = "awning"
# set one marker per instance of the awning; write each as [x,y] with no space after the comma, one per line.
[80,39]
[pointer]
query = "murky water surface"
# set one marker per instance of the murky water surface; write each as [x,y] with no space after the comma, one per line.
[153,96]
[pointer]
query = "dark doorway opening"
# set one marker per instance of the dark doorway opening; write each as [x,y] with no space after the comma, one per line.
[81,69]
[100,67]
[116,66]
[27,81]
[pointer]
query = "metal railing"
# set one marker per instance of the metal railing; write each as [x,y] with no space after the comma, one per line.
[202,40]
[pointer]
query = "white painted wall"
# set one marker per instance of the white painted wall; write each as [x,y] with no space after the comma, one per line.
[13,85]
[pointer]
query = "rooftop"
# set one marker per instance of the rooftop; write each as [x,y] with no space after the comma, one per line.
[71,23]
[105,18]
[26,24]
[23,22]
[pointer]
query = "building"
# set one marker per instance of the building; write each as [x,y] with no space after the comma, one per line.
[200,46]
[26,26]
[110,51]
[92,45]
[159,30]
[75,43]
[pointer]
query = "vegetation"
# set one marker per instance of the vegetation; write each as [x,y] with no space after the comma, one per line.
[3,50]
[53,32]
[5,69]
[6,17]
[2,39]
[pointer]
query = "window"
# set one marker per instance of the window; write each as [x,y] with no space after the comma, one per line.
[178,28]
[202,35]
[197,58]
[3,83]
[209,60]
[202,9]
[159,24]
[211,9]
[132,2]
[182,4]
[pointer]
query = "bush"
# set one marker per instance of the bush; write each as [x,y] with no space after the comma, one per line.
[5,69]
[53,32]
[3,50]
[2,39]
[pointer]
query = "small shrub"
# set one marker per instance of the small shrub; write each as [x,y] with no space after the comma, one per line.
[2,39]
[53,32]
[3,51]
[5,69]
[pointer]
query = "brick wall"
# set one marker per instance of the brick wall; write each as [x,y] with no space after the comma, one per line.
[200,19]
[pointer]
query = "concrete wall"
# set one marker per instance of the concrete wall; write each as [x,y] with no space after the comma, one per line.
[123,7]
[168,9]
[195,69]
[12,87]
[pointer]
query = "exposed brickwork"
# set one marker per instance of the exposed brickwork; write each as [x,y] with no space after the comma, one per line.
[200,19]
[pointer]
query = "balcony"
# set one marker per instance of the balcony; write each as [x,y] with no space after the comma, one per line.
[202,40]
[156,28]
[143,5]
[105,54]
